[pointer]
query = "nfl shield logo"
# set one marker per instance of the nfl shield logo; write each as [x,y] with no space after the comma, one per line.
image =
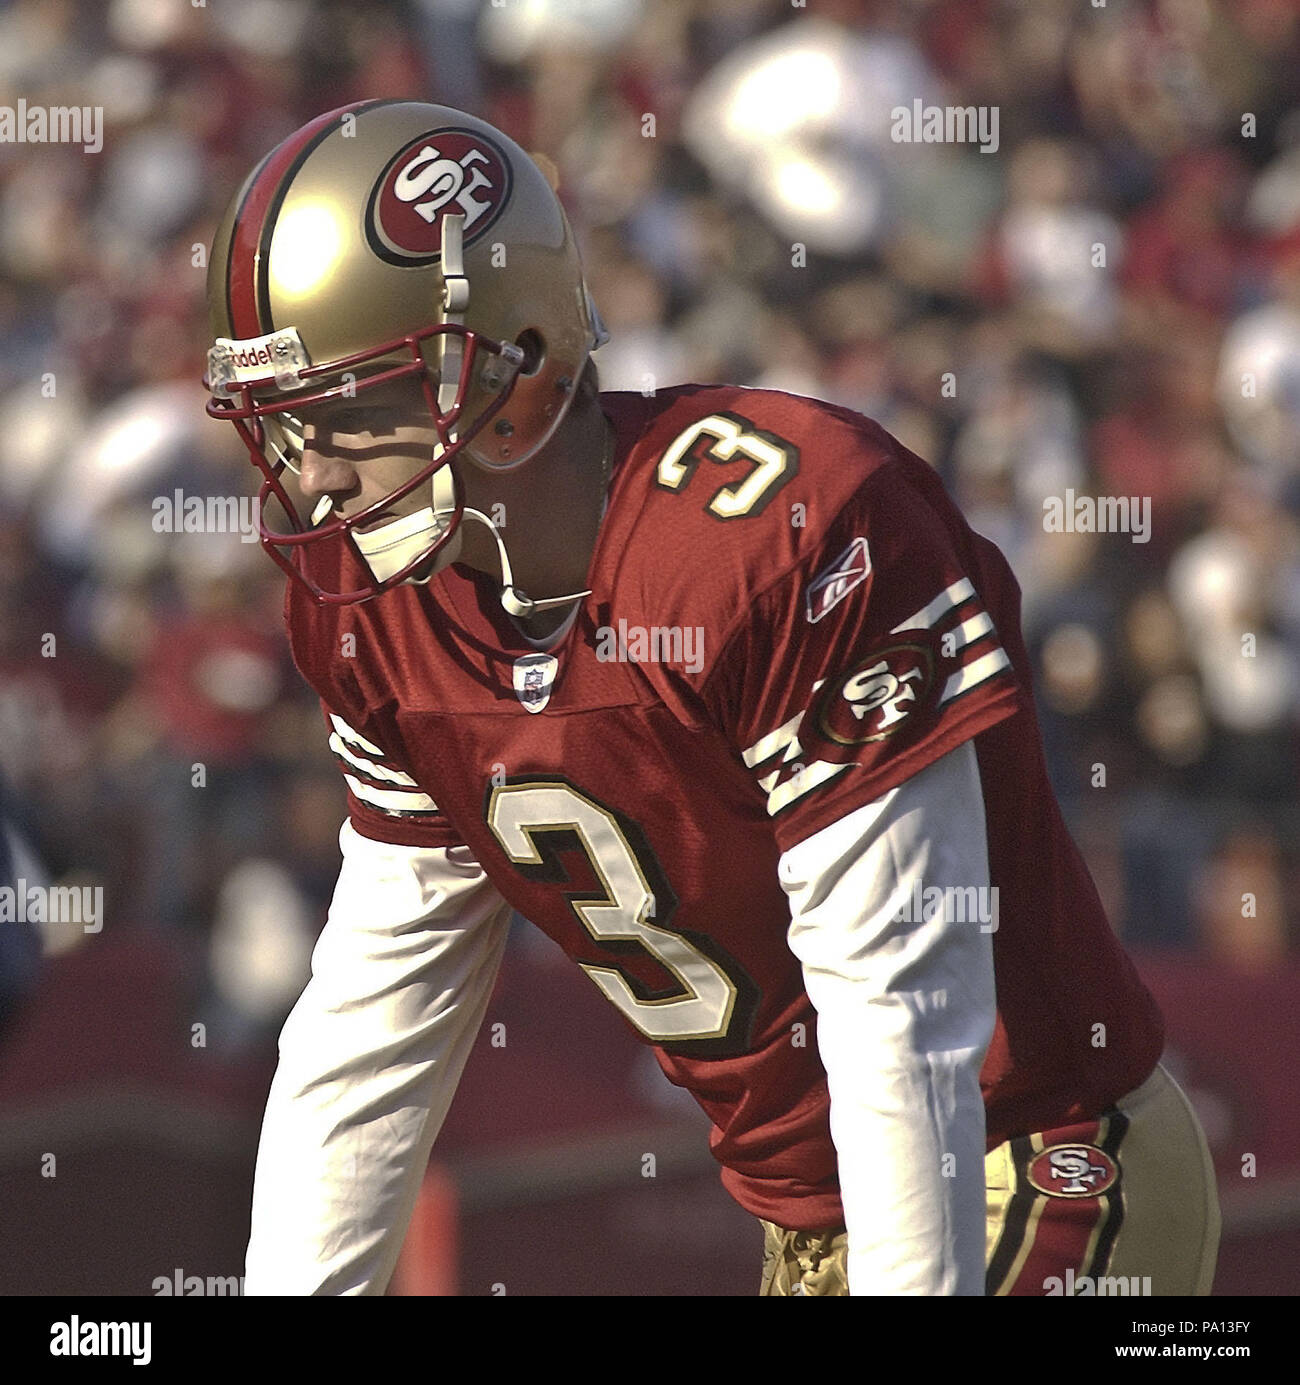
[534,679]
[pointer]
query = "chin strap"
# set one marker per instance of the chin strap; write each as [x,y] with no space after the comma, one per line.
[455,299]
[514,601]
[390,547]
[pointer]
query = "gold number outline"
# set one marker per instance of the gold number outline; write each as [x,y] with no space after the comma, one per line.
[776,461]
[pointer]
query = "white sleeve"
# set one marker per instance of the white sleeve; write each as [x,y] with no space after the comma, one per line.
[370,1058]
[905,1011]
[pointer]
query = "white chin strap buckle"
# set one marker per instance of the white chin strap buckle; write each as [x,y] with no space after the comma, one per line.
[514,601]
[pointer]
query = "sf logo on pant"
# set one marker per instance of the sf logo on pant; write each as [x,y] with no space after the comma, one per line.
[1073,1171]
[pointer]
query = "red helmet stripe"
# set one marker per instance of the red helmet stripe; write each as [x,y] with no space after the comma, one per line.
[247,277]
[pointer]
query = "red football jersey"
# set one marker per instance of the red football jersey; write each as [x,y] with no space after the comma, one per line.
[788,618]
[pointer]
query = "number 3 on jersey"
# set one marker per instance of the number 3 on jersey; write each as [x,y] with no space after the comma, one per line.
[775,462]
[707,1006]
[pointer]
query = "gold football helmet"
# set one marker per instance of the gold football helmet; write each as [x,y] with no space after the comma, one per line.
[383,240]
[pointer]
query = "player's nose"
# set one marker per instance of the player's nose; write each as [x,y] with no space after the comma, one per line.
[324,474]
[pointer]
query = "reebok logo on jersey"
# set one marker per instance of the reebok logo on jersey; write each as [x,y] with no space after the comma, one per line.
[534,679]
[834,583]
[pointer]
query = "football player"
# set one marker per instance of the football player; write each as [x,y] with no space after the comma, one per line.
[718,689]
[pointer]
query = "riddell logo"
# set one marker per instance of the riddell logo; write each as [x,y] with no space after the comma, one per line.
[251,356]
[440,173]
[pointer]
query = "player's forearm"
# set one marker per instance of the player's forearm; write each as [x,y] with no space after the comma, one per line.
[905,1007]
[909,1139]
[369,1062]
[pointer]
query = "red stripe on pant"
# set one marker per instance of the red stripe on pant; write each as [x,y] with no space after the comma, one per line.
[1065,1225]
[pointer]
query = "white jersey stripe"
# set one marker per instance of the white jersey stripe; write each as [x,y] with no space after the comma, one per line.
[980,671]
[767,746]
[783,738]
[391,800]
[376,771]
[971,630]
[781,795]
[355,737]
[948,599]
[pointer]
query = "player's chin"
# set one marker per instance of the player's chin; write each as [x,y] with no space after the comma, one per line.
[435,563]
[426,572]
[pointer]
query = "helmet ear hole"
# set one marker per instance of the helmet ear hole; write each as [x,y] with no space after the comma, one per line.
[534,348]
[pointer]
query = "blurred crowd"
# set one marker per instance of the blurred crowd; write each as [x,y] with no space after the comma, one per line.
[1108,304]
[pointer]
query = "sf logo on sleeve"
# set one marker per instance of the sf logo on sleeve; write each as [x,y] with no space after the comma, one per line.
[874,699]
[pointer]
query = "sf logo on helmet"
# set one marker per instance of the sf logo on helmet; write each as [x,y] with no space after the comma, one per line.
[443,171]
[872,700]
[1073,1171]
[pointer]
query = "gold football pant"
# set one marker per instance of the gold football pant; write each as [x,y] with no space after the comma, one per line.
[1122,1205]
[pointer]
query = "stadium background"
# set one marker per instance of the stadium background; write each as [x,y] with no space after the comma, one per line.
[1166,130]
